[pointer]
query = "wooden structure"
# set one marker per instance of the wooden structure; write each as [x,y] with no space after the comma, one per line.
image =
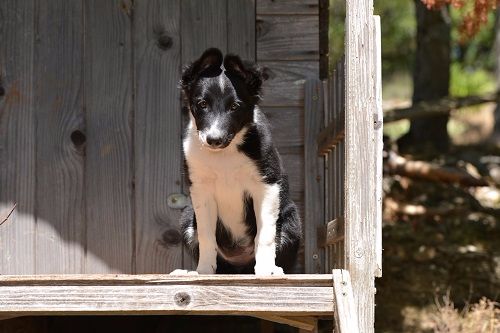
[90,136]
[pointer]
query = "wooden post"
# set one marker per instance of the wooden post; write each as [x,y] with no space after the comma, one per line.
[314,174]
[346,319]
[359,154]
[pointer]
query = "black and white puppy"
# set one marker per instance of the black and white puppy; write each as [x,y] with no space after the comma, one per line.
[242,219]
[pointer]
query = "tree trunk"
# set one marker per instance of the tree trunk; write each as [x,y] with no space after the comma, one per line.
[431,78]
[496,132]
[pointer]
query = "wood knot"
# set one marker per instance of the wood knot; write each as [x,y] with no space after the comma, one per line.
[262,28]
[182,299]
[163,40]
[171,237]
[78,138]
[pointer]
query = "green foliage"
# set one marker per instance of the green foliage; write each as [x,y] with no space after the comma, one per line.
[398,25]
[466,81]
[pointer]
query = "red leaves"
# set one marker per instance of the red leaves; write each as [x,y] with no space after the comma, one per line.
[473,19]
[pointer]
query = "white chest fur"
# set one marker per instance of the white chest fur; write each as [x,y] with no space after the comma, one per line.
[227,175]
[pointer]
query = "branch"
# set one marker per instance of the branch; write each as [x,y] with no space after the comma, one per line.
[428,171]
[437,108]
[8,214]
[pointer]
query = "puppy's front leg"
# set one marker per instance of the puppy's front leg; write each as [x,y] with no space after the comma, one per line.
[205,209]
[266,206]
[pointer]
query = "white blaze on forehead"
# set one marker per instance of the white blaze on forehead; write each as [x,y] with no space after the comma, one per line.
[222,82]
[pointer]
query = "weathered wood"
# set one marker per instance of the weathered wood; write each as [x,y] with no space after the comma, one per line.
[283,296]
[331,233]
[157,150]
[203,25]
[17,137]
[316,280]
[285,86]
[241,28]
[346,318]
[379,145]
[293,163]
[287,7]
[304,323]
[60,234]
[108,174]
[314,175]
[359,185]
[286,126]
[288,37]
[328,138]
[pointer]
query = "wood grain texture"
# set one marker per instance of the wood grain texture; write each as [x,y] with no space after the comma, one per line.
[203,25]
[293,163]
[314,175]
[285,86]
[346,318]
[157,128]
[60,233]
[241,28]
[288,37]
[316,280]
[359,183]
[163,294]
[17,137]
[108,103]
[287,7]
[286,126]
[379,144]
[304,323]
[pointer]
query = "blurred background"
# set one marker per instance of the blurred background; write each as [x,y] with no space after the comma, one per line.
[441,235]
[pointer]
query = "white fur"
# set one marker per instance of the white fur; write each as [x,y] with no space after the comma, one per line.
[219,180]
[213,131]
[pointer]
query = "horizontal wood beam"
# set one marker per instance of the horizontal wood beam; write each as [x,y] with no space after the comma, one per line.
[290,295]
[331,233]
[329,137]
[304,323]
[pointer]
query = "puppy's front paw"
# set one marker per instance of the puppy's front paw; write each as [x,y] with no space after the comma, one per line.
[268,270]
[205,269]
[181,272]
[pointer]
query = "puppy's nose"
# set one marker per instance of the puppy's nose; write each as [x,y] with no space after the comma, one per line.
[215,141]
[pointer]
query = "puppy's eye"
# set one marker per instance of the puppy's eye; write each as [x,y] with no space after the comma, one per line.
[202,104]
[234,106]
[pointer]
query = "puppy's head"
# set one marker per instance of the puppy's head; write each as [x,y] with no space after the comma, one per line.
[221,99]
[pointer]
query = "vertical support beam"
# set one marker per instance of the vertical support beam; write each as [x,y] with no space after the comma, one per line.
[379,144]
[359,153]
[346,319]
[314,175]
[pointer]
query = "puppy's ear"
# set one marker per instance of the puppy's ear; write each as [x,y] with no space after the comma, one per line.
[252,74]
[208,64]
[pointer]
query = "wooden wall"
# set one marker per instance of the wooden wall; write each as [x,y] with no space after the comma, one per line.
[90,120]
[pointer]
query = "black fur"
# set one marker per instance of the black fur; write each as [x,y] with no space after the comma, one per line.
[199,79]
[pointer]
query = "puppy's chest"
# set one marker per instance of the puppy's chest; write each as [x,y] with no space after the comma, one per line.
[230,177]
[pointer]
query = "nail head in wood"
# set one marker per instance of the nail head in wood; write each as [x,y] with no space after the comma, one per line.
[182,299]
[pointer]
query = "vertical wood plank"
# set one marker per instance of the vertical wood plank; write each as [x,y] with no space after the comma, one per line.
[346,319]
[379,144]
[108,103]
[203,25]
[17,137]
[241,28]
[359,185]
[157,135]
[314,175]
[60,236]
